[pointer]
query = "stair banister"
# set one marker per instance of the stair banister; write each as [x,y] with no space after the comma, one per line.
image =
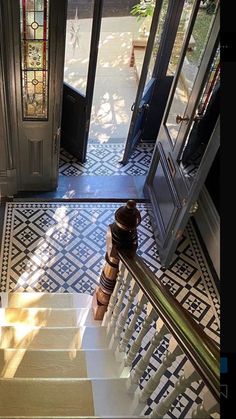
[197,346]
[121,256]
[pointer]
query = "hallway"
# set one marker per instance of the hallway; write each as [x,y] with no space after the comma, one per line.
[60,247]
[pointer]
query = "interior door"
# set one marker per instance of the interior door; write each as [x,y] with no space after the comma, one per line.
[80,76]
[155,83]
[172,185]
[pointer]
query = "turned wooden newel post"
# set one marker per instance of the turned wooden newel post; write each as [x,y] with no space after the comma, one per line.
[122,234]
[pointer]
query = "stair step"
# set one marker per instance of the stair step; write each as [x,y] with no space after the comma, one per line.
[46,300]
[47,317]
[32,337]
[68,397]
[46,397]
[21,363]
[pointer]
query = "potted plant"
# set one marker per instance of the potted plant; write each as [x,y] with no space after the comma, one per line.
[144,12]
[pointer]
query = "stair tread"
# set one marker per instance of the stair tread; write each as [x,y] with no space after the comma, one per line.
[65,396]
[21,363]
[46,300]
[30,337]
[60,317]
[24,397]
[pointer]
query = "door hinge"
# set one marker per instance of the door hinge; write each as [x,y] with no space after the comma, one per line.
[57,140]
[193,208]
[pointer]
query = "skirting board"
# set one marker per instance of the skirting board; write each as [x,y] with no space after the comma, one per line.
[208,222]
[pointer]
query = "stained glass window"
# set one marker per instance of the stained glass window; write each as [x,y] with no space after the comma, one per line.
[34,57]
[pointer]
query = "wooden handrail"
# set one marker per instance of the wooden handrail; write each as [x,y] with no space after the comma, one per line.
[198,347]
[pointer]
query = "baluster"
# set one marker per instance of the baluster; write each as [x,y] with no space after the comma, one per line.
[174,350]
[136,374]
[124,315]
[190,375]
[113,298]
[208,406]
[118,305]
[151,314]
[130,328]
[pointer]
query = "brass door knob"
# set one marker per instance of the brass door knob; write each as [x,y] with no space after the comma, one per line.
[180,119]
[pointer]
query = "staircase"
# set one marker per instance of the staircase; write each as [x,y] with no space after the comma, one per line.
[80,356]
[55,360]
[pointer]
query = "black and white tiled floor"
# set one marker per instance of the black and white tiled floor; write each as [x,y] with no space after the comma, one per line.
[60,247]
[103,160]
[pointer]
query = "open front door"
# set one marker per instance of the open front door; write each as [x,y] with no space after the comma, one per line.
[189,136]
[155,80]
[78,90]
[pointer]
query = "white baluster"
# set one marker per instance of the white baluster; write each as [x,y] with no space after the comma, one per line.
[124,315]
[113,298]
[151,314]
[208,406]
[189,376]
[174,350]
[130,328]
[136,374]
[118,305]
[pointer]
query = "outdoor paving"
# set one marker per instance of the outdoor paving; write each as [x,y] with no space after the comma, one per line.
[116,84]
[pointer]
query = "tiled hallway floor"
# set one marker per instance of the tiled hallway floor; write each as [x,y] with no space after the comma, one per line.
[60,247]
[103,159]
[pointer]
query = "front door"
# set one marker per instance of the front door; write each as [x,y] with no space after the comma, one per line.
[189,136]
[80,76]
[156,79]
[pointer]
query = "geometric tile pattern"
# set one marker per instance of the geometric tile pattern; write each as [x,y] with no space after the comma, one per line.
[60,247]
[103,160]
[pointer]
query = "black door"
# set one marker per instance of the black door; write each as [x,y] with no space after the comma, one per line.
[77,105]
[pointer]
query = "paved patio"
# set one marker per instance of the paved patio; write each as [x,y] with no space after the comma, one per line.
[116,83]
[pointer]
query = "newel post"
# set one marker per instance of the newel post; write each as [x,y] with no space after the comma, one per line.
[121,235]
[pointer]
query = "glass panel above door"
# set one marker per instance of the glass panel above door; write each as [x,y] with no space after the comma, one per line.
[34,15]
[78,43]
[189,69]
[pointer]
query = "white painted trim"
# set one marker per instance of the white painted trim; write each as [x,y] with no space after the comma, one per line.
[208,222]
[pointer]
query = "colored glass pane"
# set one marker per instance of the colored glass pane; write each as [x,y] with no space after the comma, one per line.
[39,18]
[30,4]
[34,56]
[39,33]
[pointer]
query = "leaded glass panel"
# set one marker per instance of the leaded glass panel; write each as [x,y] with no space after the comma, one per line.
[34,16]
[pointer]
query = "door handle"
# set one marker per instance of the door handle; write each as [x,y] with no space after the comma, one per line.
[132,107]
[180,119]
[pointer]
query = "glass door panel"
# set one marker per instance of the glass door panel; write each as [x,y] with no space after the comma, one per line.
[188,72]
[78,43]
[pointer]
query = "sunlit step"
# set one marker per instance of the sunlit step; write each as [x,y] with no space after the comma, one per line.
[69,397]
[46,300]
[21,363]
[32,337]
[47,317]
